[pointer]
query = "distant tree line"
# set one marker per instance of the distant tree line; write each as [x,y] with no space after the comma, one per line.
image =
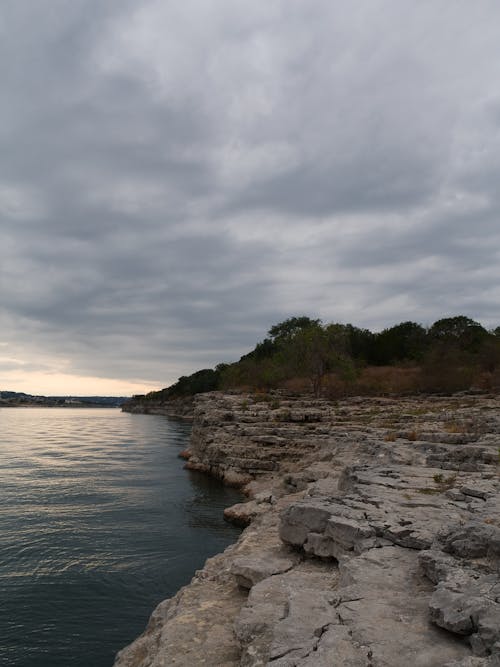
[304,354]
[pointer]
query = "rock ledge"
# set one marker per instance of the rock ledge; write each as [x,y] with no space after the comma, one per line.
[373,537]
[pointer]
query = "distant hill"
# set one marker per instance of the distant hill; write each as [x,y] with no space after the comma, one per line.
[15,398]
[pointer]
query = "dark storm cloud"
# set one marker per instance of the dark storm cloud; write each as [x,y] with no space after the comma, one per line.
[176,178]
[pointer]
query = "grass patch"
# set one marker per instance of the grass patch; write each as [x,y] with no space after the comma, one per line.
[454,426]
[261,397]
[444,483]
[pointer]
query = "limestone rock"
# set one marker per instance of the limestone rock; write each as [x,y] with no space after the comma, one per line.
[374,537]
[242,514]
[464,564]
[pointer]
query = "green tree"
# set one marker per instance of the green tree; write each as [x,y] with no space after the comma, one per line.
[316,350]
[459,330]
[360,343]
[287,329]
[402,342]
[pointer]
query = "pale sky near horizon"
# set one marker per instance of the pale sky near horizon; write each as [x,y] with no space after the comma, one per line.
[177,177]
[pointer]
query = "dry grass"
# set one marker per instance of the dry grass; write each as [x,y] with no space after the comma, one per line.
[296,385]
[454,426]
[374,381]
[261,397]
[389,380]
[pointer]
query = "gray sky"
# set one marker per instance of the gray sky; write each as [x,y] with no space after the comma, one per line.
[177,177]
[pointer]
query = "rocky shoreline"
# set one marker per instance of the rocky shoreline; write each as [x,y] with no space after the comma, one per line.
[180,408]
[373,537]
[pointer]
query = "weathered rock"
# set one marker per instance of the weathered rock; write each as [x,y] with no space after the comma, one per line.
[177,408]
[249,570]
[398,500]
[242,514]
[472,540]
[464,564]
[397,504]
[375,614]
[285,615]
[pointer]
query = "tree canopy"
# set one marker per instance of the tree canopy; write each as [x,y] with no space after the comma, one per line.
[448,355]
[292,326]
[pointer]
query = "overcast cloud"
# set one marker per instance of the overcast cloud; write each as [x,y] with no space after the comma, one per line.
[177,177]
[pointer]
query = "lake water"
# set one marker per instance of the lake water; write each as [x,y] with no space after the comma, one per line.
[98,523]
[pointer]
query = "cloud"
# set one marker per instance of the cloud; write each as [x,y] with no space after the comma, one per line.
[176,178]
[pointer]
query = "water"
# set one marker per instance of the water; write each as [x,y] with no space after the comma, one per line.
[98,523]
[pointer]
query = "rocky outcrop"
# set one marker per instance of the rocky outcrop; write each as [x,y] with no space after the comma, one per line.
[176,408]
[238,437]
[374,537]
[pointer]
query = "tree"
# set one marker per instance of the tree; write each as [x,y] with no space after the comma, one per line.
[405,341]
[204,380]
[360,343]
[459,330]
[316,351]
[262,350]
[287,329]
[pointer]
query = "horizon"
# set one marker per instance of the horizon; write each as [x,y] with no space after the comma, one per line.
[143,390]
[37,395]
[174,180]
[51,386]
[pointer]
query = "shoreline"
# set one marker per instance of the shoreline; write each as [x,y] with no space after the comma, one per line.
[354,500]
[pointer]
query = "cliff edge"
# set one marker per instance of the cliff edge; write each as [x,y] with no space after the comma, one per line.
[373,537]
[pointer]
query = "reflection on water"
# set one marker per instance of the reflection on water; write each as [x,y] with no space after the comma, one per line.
[98,523]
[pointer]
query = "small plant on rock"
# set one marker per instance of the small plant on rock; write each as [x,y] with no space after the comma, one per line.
[444,483]
[454,426]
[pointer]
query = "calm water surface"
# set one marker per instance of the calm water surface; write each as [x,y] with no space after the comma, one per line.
[98,523]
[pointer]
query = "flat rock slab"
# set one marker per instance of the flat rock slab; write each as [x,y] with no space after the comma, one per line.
[249,570]
[285,615]
[375,614]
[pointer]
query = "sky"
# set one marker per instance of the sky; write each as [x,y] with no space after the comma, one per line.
[176,177]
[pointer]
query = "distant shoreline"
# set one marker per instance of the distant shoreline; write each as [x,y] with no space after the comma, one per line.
[21,399]
[67,406]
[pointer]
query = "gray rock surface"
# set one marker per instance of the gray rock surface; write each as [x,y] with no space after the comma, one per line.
[374,537]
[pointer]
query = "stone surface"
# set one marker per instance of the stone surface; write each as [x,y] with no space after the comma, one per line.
[249,570]
[374,537]
[177,408]
[464,564]
[242,514]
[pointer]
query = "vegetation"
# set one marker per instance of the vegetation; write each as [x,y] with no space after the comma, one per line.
[205,380]
[302,354]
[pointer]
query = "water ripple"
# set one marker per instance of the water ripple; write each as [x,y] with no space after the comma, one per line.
[98,523]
